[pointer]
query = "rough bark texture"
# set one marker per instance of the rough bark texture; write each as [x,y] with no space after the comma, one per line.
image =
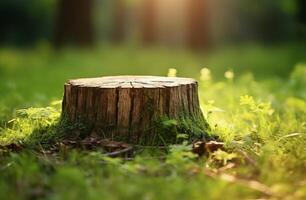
[128,106]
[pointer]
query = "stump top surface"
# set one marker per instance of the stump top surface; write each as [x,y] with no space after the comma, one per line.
[131,82]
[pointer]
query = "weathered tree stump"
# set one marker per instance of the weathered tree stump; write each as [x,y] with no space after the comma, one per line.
[127,107]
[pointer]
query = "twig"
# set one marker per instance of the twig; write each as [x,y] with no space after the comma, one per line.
[116,153]
[247,157]
[151,147]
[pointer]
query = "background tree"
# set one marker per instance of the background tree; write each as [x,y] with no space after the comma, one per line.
[198,30]
[302,11]
[302,17]
[119,21]
[148,21]
[74,23]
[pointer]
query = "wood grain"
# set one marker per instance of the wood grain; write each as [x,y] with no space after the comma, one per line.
[128,105]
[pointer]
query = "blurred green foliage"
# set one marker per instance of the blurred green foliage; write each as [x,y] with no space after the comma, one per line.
[26,21]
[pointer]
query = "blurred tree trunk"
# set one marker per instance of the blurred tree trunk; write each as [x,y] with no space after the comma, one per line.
[148,22]
[74,23]
[119,21]
[302,11]
[198,31]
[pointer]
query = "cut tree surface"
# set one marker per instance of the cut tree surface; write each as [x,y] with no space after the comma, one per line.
[129,106]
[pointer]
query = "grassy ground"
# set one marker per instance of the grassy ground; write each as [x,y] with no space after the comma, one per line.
[258,110]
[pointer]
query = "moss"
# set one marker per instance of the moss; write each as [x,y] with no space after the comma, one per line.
[44,126]
[163,131]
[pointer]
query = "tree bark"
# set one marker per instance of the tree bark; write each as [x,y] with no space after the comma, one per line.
[129,106]
[74,23]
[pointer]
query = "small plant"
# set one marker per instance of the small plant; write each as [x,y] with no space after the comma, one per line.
[32,125]
[223,156]
[264,108]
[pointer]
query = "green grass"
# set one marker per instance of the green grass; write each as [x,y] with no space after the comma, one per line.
[259,111]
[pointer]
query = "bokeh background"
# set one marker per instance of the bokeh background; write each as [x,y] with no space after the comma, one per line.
[192,24]
[45,42]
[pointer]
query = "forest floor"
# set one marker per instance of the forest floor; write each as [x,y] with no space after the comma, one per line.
[253,97]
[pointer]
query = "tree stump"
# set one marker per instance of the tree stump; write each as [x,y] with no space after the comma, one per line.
[128,107]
